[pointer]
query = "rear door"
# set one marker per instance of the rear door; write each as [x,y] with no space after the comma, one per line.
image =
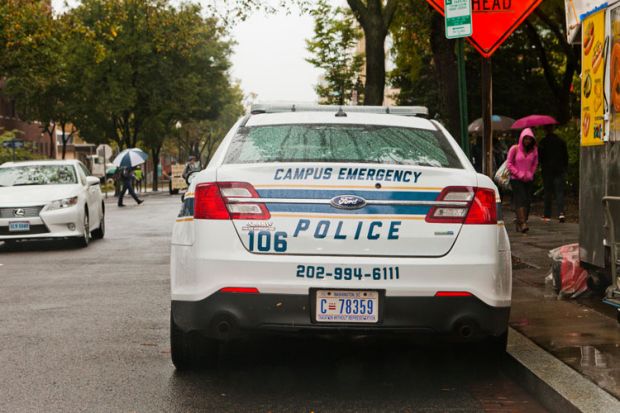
[351,205]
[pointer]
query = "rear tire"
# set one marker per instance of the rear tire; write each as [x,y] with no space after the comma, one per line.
[496,345]
[191,351]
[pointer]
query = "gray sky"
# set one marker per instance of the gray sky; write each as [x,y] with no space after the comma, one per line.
[269,56]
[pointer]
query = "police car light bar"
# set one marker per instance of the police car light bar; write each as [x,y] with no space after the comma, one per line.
[259,108]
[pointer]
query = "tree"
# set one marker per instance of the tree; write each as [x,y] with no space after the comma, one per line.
[425,63]
[17,154]
[148,66]
[31,60]
[201,138]
[333,50]
[559,59]
[375,18]
[535,58]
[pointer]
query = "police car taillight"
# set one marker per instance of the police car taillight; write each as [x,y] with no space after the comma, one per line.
[228,200]
[238,198]
[464,205]
[208,202]
[483,209]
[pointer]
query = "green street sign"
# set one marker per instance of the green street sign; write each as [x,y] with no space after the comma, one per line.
[458,18]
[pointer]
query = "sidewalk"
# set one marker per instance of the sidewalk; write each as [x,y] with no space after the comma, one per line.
[583,333]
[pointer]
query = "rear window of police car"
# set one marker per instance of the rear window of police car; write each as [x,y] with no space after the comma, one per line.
[341,143]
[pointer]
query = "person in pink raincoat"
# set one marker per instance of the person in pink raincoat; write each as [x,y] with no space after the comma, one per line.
[522,163]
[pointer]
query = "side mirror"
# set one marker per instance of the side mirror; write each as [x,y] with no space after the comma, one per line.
[92,180]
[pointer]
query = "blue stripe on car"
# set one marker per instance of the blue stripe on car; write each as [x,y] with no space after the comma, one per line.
[369,209]
[367,195]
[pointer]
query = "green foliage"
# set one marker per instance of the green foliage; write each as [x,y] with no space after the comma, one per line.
[21,154]
[201,138]
[32,50]
[25,31]
[146,66]
[533,72]
[333,50]
[414,72]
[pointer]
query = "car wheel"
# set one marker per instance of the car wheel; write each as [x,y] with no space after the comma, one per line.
[85,238]
[99,233]
[191,351]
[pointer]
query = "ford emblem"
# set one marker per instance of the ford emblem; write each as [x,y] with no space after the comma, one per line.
[348,202]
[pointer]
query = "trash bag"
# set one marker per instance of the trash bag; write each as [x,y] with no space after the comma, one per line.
[569,279]
[502,177]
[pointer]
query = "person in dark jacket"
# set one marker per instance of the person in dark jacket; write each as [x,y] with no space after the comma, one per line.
[127,175]
[553,158]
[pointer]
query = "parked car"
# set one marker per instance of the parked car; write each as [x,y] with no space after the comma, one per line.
[327,219]
[50,199]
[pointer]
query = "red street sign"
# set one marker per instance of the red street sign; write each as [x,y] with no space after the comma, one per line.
[494,21]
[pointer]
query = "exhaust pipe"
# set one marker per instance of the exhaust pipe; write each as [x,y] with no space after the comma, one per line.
[465,328]
[466,331]
[224,327]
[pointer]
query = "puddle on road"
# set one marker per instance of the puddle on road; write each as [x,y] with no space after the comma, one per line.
[601,363]
[581,337]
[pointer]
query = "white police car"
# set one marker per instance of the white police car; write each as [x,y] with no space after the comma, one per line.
[325,219]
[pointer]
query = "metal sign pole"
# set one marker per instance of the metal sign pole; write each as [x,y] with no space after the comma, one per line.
[462,95]
[105,171]
[458,19]
[487,113]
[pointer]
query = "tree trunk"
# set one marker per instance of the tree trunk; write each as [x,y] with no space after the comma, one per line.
[155,154]
[446,69]
[374,90]
[64,140]
[50,129]
[52,146]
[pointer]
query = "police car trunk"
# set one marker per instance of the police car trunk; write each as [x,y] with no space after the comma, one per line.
[354,185]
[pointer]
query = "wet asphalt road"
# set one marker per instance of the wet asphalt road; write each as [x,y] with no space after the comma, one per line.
[87,330]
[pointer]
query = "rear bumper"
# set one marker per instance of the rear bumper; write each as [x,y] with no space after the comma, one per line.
[227,316]
[478,263]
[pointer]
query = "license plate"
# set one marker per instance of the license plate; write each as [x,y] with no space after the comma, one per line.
[19,226]
[347,306]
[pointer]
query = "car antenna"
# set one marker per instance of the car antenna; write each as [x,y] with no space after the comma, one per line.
[341,113]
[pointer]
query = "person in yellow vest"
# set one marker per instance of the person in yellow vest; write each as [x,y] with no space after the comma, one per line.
[139,176]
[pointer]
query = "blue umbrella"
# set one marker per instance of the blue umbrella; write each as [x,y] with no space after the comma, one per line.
[500,123]
[130,158]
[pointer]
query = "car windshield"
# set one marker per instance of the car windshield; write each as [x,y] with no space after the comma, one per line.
[342,143]
[37,175]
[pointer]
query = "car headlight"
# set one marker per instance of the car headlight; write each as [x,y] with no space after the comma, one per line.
[62,203]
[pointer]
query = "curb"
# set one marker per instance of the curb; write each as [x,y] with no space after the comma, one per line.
[555,385]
